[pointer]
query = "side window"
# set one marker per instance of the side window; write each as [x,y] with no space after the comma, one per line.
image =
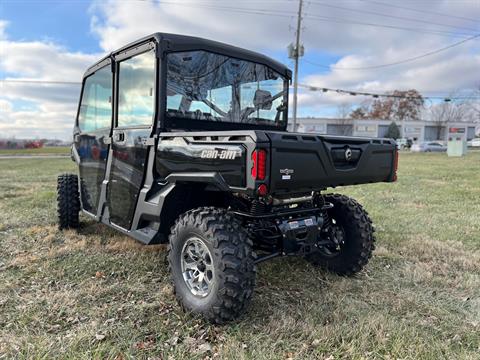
[136,90]
[96,106]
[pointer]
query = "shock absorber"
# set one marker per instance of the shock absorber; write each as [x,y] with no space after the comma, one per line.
[327,221]
[257,208]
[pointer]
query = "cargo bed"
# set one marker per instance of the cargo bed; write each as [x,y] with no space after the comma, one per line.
[305,162]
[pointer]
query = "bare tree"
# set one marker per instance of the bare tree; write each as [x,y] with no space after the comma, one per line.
[343,115]
[361,111]
[474,104]
[445,113]
[343,110]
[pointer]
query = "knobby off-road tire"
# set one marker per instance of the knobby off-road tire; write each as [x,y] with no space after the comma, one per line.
[359,237]
[230,257]
[68,201]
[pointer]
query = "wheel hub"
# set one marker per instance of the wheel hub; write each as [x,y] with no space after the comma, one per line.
[197,267]
[336,235]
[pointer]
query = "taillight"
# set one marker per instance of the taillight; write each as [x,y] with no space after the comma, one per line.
[395,165]
[262,164]
[259,167]
[262,190]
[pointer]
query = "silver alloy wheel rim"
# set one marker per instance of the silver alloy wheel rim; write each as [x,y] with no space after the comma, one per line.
[197,267]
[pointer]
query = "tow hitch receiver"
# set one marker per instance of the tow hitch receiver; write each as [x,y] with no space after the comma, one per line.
[300,235]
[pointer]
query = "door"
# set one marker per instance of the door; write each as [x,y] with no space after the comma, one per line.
[383,131]
[91,134]
[340,129]
[434,133]
[133,127]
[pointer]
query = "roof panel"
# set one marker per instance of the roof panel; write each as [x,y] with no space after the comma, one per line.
[175,42]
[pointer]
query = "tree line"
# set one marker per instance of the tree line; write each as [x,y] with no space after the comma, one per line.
[410,105]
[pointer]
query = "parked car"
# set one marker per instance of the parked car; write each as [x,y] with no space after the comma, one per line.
[474,142]
[175,157]
[404,143]
[428,147]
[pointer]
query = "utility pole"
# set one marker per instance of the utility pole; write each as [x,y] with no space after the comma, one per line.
[296,53]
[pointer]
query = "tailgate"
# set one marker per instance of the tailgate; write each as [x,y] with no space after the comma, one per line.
[306,162]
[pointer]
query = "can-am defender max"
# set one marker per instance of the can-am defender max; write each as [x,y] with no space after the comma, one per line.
[183,140]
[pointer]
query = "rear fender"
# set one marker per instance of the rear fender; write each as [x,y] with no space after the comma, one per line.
[186,195]
[211,178]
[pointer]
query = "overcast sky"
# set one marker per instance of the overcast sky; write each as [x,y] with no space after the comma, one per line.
[57,40]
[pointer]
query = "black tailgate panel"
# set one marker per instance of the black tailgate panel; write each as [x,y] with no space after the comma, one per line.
[304,162]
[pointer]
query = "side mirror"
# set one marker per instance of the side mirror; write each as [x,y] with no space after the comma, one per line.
[262,100]
[197,93]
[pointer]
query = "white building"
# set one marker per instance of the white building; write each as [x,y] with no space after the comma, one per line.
[416,130]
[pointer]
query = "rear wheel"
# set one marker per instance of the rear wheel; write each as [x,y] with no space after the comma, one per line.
[351,236]
[68,201]
[211,264]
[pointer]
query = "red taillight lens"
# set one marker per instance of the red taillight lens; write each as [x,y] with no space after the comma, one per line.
[259,168]
[262,190]
[262,164]
[254,166]
[395,165]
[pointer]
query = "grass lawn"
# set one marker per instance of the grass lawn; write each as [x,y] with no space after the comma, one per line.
[54,150]
[98,294]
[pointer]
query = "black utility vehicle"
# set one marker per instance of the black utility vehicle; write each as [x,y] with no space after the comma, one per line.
[183,140]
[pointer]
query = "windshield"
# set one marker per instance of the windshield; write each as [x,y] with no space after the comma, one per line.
[206,86]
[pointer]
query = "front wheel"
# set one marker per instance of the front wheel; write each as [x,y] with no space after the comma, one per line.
[211,264]
[352,237]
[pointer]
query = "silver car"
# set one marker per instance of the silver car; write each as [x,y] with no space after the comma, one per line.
[428,147]
[474,143]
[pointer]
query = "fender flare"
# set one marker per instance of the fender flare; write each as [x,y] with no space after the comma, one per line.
[212,178]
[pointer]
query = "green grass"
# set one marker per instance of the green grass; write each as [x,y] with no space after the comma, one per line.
[54,150]
[98,294]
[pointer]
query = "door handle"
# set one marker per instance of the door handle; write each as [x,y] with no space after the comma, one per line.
[119,137]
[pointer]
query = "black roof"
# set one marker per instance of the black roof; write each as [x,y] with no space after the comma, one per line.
[175,42]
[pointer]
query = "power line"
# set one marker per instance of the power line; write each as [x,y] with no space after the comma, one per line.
[317,17]
[384,95]
[309,87]
[322,18]
[430,53]
[267,12]
[391,16]
[395,27]
[421,11]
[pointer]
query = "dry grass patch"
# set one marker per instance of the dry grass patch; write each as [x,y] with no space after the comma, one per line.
[442,256]
[23,259]
[98,294]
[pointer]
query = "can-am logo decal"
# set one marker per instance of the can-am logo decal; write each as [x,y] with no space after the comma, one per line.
[218,154]
[348,154]
[286,173]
